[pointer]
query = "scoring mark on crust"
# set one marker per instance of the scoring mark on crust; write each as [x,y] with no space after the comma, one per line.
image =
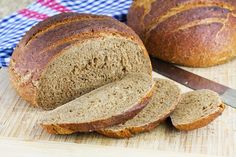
[181,8]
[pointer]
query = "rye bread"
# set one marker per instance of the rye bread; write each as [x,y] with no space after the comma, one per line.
[165,97]
[71,54]
[108,105]
[196,109]
[196,33]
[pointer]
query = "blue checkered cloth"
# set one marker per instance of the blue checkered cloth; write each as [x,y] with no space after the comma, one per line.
[14,26]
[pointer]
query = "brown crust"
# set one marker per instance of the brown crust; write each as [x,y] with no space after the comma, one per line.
[196,46]
[174,8]
[170,9]
[201,122]
[71,28]
[99,124]
[174,22]
[33,54]
[25,90]
[57,22]
[201,45]
[60,18]
[135,25]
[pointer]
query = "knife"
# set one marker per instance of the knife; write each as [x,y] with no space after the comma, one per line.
[193,81]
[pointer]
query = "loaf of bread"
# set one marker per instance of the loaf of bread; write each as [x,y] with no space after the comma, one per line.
[196,33]
[165,97]
[71,54]
[196,109]
[108,105]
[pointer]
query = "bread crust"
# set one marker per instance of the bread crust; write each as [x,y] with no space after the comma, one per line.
[201,45]
[33,54]
[202,121]
[99,124]
[25,89]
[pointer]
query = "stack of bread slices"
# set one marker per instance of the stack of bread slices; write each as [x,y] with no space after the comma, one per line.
[93,73]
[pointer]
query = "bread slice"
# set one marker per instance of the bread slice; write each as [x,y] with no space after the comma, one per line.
[197,109]
[71,54]
[165,98]
[111,104]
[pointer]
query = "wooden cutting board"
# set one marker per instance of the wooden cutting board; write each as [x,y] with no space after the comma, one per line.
[18,121]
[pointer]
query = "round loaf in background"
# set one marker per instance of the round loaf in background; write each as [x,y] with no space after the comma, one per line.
[195,33]
[70,54]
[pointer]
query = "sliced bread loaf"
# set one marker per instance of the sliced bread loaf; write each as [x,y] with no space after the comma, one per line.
[197,109]
[71,54]
[165,98]
[108,105]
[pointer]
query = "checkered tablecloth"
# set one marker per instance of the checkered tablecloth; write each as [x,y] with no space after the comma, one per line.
[14,26]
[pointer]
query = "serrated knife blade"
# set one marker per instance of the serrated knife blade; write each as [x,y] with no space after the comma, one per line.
[194,81]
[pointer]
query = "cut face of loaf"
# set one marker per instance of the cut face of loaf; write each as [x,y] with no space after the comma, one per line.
[71,54]
[196,33]
[108,105]
[164,100]
[197,109]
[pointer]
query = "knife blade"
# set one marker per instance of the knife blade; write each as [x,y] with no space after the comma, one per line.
[194,81]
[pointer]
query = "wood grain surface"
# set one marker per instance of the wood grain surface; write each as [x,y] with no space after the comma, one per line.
[49,149]
[18,120]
